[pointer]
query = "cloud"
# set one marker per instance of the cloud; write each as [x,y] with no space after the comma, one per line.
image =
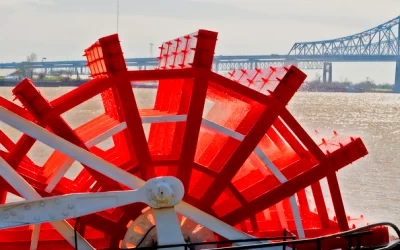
[178,9]
[45,2]
[24,2]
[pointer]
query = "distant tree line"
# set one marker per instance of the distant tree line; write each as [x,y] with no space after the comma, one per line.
[24,71]
[53,75]
[367,85]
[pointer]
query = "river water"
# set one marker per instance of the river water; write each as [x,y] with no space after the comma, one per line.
[370,186]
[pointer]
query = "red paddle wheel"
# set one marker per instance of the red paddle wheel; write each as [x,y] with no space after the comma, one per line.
[240,155]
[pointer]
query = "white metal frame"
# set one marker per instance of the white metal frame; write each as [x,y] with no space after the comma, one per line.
[56,176]
[275,171]
[115,173]
[26,191]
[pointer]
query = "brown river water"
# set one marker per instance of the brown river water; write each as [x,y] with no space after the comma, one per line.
[370,186]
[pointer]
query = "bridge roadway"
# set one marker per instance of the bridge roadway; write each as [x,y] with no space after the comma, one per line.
[227,63]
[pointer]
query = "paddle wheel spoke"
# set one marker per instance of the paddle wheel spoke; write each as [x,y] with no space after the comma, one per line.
[202,159]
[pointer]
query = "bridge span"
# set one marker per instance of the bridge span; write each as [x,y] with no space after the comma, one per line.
[379,44]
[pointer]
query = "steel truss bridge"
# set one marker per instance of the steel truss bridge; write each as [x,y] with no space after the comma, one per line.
[379,44]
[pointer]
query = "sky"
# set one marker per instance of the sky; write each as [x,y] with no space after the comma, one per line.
[62,29]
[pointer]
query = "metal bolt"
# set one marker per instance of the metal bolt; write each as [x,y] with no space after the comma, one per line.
[5,216]
[20,217]
[52,217]
[42,203]
[70,206]
[57,201]
[37,218]
[27,207]
[13,213]
[65,213]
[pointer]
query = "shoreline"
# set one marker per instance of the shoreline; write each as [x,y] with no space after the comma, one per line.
[77,83]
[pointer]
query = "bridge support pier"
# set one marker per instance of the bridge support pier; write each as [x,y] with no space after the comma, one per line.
[396,88]
[215,67]
[327,75]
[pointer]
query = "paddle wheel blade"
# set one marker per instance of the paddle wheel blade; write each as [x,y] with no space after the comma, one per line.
[247,170]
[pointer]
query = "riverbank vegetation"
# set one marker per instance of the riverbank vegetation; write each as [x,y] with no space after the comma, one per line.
[367,85]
